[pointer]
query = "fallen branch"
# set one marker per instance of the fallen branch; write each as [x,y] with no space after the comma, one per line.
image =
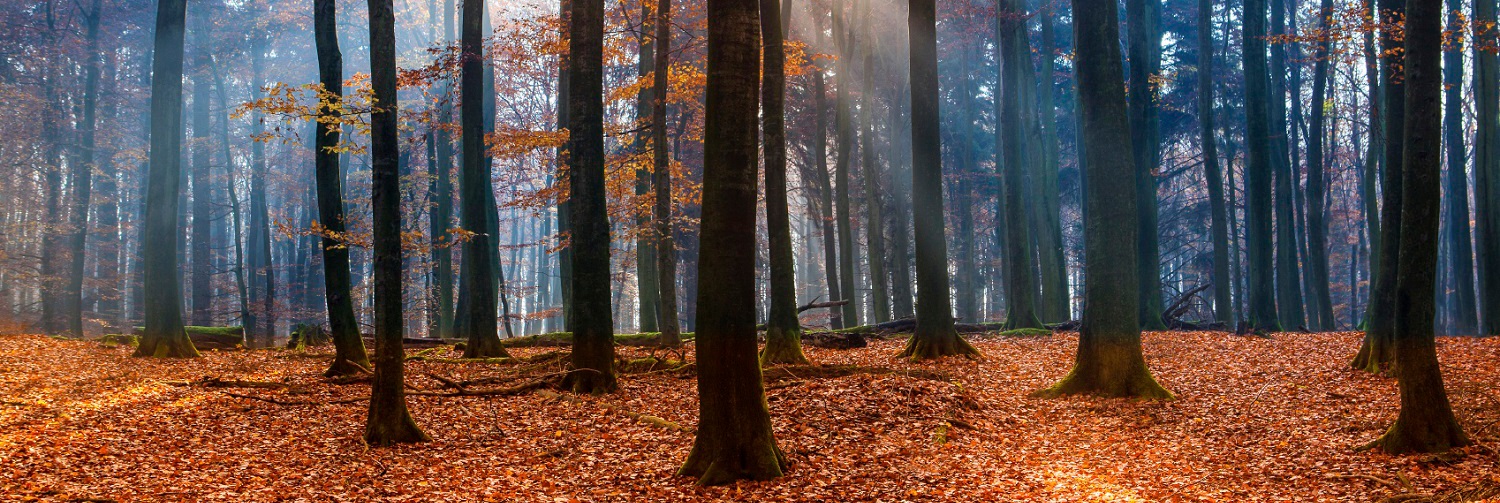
[644,418]
[214,382]
[1372,478]
[819,305]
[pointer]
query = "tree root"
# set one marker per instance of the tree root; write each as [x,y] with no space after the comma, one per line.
[644,418]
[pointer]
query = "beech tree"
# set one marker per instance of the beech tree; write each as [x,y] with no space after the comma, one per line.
[388,421]
[1109,361]
[934,335]
[1426,422]
[592,323]
[163,335]
[349,346]
[734,440]
[478,275]
[783,330]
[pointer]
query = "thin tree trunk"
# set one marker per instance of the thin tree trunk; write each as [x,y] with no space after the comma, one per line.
[666,248]
[1219,215]
[201,273]
[844,130]
[880,304]
[1021,280]
[1317,192]
[349,348]
[1144,34]
[1377,349]
[783,330]
[475,206]
[388,421]
[1460,246]
[83,172]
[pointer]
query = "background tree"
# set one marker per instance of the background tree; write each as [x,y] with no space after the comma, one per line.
[1321,317]
[1463,310]
[1377,349]
[1021,275]
[1144,42]
[783,330]
[734,440]
[1109,360]
[1261,313]
[1487,164]
[666,247]
[1219,215]
[475,204]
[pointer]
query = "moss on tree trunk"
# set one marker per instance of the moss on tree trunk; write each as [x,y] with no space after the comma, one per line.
[1109,361]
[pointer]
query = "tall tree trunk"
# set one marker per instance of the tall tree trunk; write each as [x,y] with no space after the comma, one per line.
[1378,347]
[262,279]
[201,274]
[666,248]
[1317,191]
[1487,165]
[825,187]
[1021,284]
[1218,214]
[1288,279]
[1373,152]
[592,369]
[844,131]
[1144,37]
[1259,164]
[1109,361]
[349,347]
[1426,422]
[783,330]
[734,440]
[112,239]
[900,175]
[1460,246]
[934,335]
[1052,258]
[880,304]
[83,172]
[966,284]
[475,205]
[163,335]
[564,120]
[645,243]
[388,421]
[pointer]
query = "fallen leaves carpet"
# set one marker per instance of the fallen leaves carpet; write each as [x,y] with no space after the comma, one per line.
[1254,420]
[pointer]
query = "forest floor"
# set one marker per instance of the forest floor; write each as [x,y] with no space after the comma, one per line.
[1254,420]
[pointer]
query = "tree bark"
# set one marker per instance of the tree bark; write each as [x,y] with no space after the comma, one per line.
[1109,361]
[83,173]
[844,132]
[592,368]
[880,303]
[388,421]
[163,335]
[1288,280]
[1460,246]
[201,271]
[1317,191]
[1218,214]
[1377,349]
[1015,54]
[475,206]
[349,348]
[1487,165]
[934,335]
[1426,422]
[1259,164]
[783,330]
[645,242]
[734,440]
[1144,42]
[666,248]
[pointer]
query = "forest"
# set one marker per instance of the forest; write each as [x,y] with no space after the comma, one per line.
[750,250]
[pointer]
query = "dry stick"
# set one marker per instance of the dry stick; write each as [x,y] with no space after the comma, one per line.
[644,418]
[1371,478]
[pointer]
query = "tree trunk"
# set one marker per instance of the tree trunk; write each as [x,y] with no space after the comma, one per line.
[1426,422]
[1288,281]
[880,304]
[1377,348]
[388,421]
[1487,165]
[825,186]
[1460,246]
[1144,33]
[1219,215]
[163,335]
[592,369]
[1021,285]
[1259,164]
[349,348]
[1317,191]
[475,206]
[734,440]
[645,243]
[1052,257]
[844,131]
[83,173]
[666,248]
[934,335]
[1109,361]
[201,273]
[783,330]
[966,284]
